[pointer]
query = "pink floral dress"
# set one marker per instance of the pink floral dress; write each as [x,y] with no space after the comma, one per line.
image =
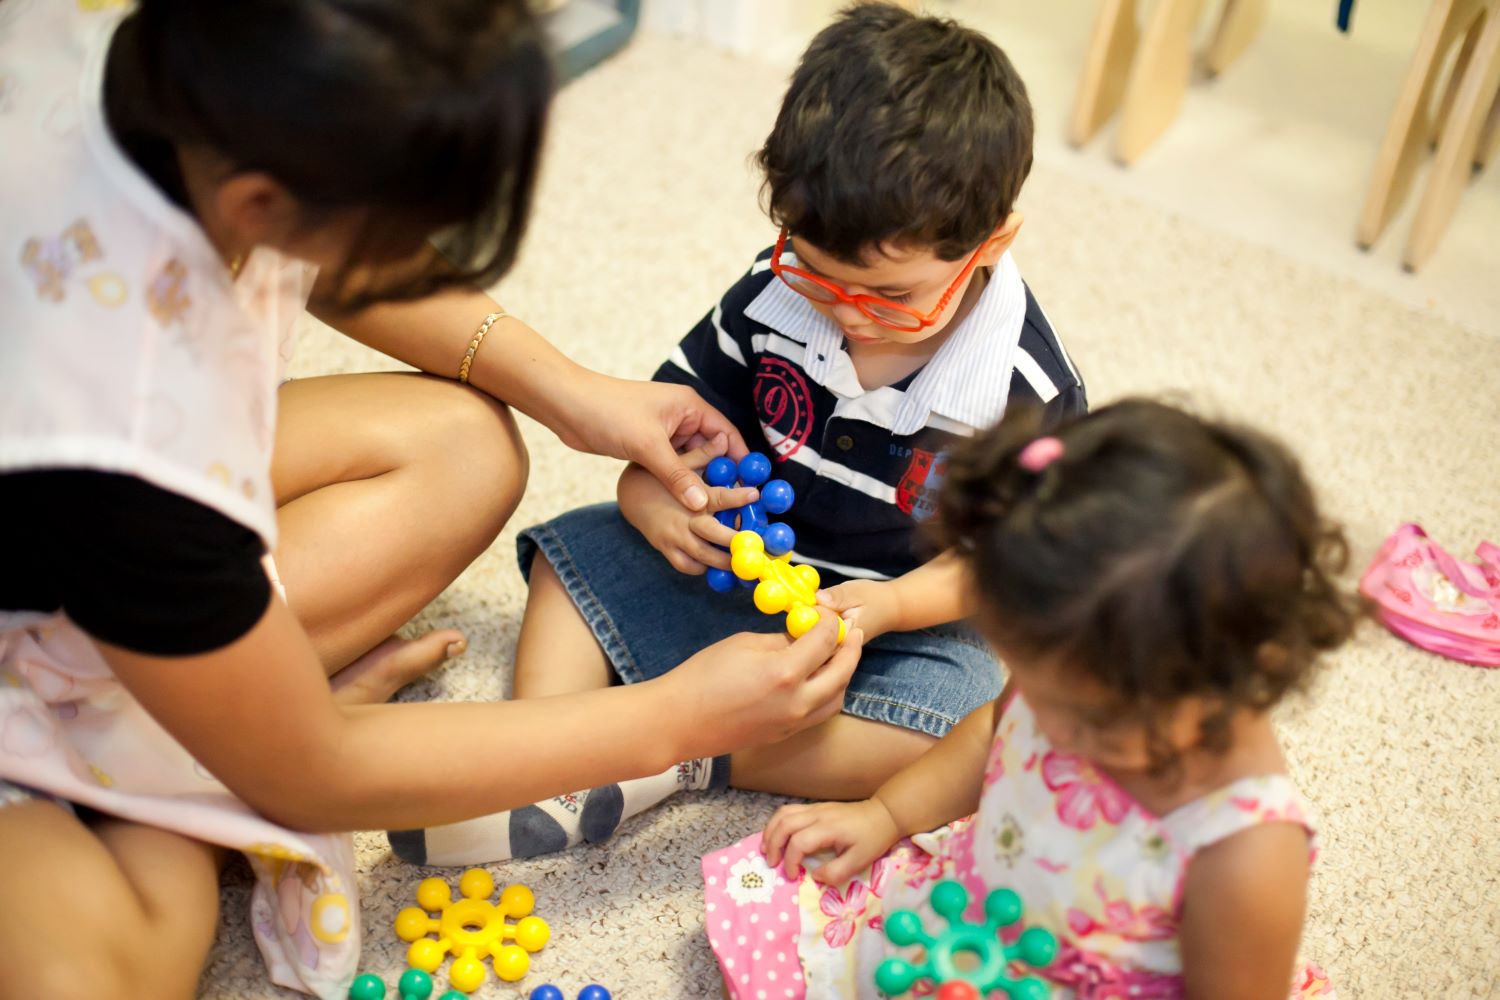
[1091,864]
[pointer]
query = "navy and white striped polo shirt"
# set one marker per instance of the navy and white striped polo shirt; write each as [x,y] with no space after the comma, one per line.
[866,464]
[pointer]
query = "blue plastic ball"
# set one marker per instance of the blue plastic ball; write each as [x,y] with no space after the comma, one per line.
[547,992]
[780,539]
[593,991]
[720,580]
[777,496]
[755,469]
[753,518]
[720,472]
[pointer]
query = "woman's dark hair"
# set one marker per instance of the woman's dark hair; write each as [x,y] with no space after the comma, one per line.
[898,129]
[1161,555]
[427,114]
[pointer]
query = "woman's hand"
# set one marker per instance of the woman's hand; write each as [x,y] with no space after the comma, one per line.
[855,832]
[647,423]
[690,542]
[757,688]
[872,605]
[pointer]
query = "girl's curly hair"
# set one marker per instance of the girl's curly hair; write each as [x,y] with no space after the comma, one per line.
[1160,554]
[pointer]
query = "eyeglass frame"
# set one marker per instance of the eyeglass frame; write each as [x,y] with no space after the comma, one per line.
[866,303]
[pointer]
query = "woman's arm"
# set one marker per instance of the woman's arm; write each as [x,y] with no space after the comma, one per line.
[258,714]
[642,422]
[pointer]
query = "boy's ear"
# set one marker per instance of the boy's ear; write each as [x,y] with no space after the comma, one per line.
[1000,240]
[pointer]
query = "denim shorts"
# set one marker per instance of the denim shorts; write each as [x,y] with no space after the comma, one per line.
[648,618]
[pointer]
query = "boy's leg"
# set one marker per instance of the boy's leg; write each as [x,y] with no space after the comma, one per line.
[116,910]
[556,652]
[844,757]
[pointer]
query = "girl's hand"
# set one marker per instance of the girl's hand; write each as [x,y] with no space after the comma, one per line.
[646,423]
[690,542]
[856,832]
[872,605]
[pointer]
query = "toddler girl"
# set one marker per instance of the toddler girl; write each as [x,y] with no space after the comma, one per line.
[1155,583]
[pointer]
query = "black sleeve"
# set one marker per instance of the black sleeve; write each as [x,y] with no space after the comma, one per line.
[130,563]
[1069,402]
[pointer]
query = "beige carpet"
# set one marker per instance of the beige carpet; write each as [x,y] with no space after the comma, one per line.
[648,212]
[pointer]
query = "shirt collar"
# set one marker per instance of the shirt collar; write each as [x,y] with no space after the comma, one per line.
[967,380]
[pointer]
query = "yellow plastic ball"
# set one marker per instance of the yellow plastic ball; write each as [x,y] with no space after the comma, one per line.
[466,974]
[771,596]
[748,564]
[476,884]
[532,933]
[512,963]
[800,620]
[433,894]
[425,954]
[517,901]
[843,629]
[807,577]
[746,541]
[412,923]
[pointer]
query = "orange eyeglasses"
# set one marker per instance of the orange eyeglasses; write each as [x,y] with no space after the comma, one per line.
[883,311]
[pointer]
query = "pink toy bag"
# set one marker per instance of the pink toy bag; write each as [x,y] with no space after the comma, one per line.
[1433,600]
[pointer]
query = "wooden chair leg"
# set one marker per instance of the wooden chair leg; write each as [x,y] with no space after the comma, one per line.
[1450,89]
[1106,65]
[1158,77]
[1452,166]
[1489,139]
[1237,28]
[1406,135]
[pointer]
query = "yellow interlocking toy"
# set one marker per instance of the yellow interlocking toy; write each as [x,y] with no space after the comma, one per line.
[782,587]
[472,929]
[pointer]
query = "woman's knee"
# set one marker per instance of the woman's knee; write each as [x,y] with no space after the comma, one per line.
[482,455]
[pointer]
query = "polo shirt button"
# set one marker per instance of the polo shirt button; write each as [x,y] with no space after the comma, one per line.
[845,442]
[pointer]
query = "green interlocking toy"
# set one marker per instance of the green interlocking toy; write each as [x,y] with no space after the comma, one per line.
[989,961]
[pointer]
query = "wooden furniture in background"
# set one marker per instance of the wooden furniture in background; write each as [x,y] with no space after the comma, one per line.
[1463,124]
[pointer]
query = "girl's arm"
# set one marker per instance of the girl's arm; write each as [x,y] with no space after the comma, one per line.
[932,594]
[1242,913]
[942,785]
[642,422]
[259,715]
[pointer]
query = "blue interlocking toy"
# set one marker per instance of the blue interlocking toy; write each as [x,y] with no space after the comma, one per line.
[776,497]
[593,991]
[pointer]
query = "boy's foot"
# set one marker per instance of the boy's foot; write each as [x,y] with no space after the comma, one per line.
[375,677]
[558,823]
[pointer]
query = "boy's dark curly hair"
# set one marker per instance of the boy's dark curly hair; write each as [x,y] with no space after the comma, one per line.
[1162,555]
[898,128]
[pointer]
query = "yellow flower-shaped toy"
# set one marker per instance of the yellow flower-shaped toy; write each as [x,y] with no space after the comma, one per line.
[782,587]
[472,929]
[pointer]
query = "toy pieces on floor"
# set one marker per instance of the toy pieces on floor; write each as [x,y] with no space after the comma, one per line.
[549,992]
[776,497]
[472,929]
[413,985]
[987,959]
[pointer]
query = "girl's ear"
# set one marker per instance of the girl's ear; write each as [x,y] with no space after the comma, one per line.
[1000,240]
[255,209]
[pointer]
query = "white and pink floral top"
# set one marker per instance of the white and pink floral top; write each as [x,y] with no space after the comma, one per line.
[1090,863]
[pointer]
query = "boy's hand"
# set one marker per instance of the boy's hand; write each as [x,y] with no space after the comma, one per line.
[856,832]
[872,605]
[687,540]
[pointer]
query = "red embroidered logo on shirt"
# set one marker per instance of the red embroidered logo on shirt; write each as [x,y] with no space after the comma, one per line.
[785,405]
[916,494]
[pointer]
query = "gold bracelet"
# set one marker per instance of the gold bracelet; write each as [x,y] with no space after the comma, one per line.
[484,328]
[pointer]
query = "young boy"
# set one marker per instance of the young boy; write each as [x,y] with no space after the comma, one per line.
[887,322]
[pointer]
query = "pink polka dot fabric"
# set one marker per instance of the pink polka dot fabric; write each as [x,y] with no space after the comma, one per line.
[752,921]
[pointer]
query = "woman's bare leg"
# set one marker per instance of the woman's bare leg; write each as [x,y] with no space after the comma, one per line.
[389,485]
[116,910]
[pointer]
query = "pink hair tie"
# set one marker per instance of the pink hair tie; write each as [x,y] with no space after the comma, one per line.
[1040,453]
